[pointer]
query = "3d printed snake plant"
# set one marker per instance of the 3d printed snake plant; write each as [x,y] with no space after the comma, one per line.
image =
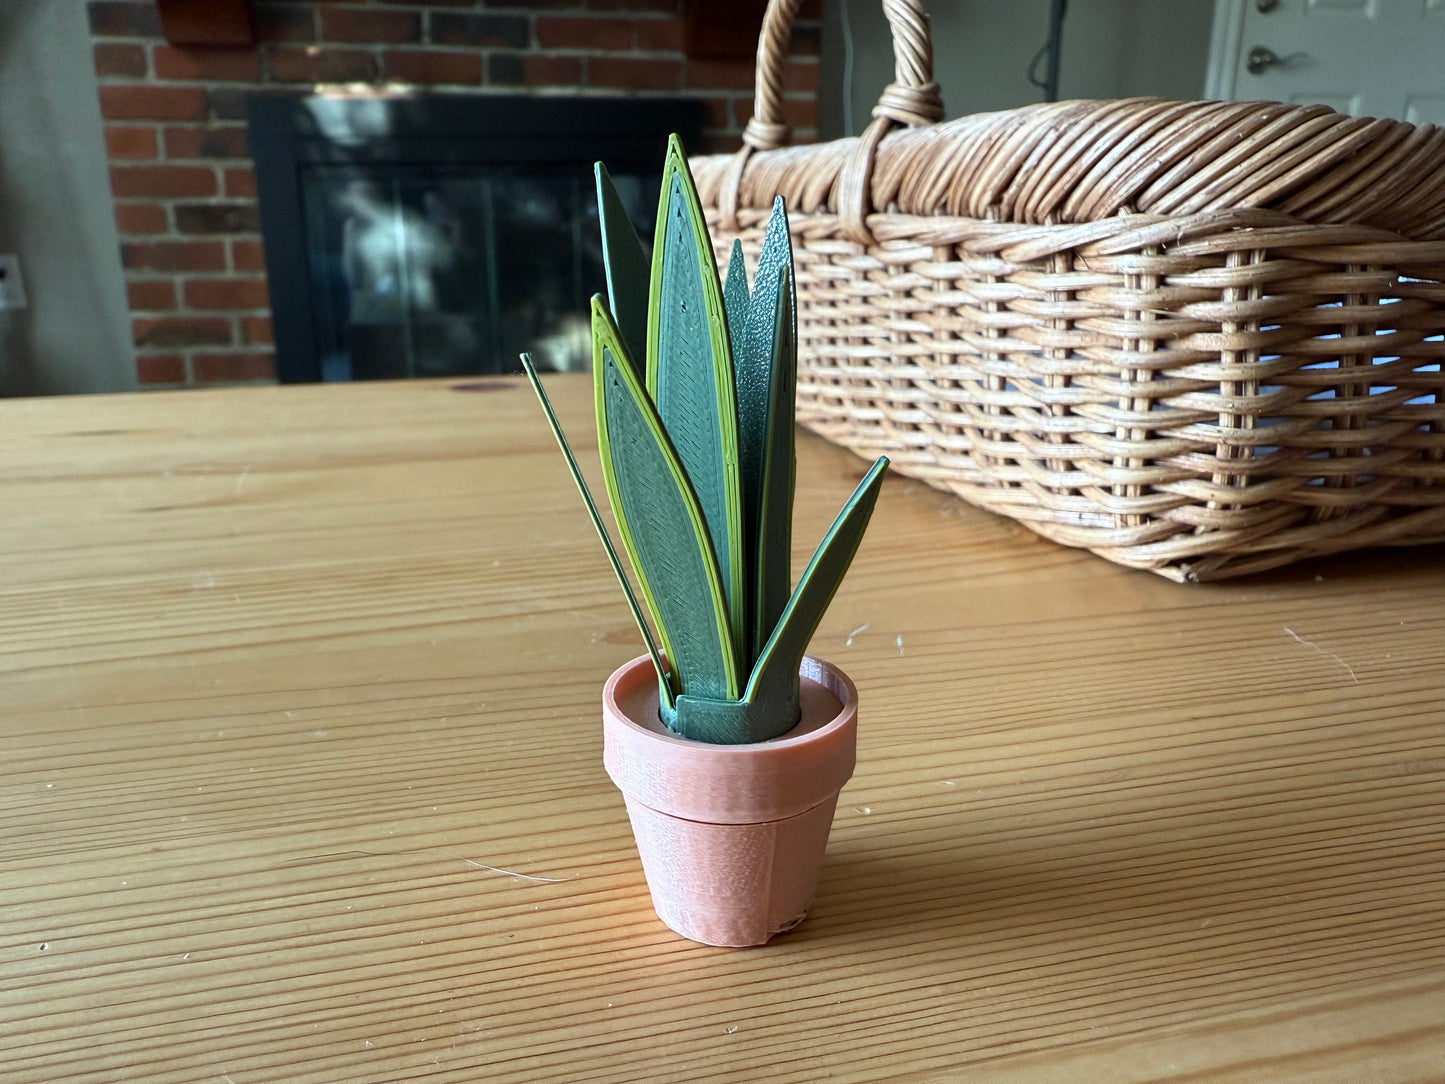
[697,450]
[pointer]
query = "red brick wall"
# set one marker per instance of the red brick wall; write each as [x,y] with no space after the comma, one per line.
[175,130]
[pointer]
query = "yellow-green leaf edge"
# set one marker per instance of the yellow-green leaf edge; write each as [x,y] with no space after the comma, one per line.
[605,337]
[675,164]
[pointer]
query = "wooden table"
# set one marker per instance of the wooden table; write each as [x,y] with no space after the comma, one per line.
[302,780]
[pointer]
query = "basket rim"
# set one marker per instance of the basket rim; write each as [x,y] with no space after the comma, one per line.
[1074,162]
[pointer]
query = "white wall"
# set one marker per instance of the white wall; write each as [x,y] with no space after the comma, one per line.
[55,210]
[982,50]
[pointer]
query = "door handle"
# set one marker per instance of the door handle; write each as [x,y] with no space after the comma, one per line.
[1261,59]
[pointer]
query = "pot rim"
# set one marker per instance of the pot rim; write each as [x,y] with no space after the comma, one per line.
[734,784]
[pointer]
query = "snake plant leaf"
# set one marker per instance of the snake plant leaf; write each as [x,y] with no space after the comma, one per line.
[776,672]
[773,536]
[758,360]
[627,267]
[776,254]
[735,300]
[664,683]
[769,707]
[690,373]
[751,411]
[732,722]
[661,522]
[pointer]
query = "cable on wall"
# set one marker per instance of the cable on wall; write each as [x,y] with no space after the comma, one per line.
[1050,49]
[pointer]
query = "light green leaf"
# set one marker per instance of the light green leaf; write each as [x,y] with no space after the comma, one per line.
[690,374]
[627,268]
[661,522]
[663,680]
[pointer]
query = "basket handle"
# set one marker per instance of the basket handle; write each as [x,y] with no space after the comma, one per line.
[912,99]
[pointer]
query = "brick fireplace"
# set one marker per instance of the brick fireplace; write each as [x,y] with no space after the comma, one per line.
[175,129]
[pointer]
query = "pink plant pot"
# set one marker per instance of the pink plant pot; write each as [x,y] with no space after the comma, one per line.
[731,836]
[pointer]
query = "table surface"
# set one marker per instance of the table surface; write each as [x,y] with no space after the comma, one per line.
[303,781]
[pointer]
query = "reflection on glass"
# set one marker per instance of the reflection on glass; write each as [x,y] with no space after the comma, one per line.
[418,273]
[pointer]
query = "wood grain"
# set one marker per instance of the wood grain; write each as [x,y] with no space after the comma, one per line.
[303,780]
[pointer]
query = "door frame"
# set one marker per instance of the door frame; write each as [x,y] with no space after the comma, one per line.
[1226,34]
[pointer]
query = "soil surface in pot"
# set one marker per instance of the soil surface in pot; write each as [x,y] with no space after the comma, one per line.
[820,706]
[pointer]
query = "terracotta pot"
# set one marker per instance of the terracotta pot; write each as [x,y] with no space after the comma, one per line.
[731,836]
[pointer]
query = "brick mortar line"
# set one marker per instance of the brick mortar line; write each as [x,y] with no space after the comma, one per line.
[583,13]
[529,13]
[217,163]
[298,84]
[283,84]
[173,84]
[377,48]
[583,50]
[232,122]
[533,47]
[380,51]
[159,127]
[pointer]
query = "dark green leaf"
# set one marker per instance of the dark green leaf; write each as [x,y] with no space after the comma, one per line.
[776,254]
[774,533]
[732,722]
[690,374]
[757,362]
[628,274]
[775,677]
[735,300]
[769,707]
[661,523]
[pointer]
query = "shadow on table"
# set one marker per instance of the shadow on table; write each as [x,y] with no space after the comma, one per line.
[1402,563]
[861,895]
[1211,882]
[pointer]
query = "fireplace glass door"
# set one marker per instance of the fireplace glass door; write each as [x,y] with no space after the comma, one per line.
[419,272]
[416,235]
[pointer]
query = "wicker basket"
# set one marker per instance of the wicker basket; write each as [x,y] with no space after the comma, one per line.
[1202,338]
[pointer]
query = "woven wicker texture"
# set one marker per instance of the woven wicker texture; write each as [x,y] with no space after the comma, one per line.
[1203,338]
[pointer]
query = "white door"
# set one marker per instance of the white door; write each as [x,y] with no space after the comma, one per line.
[1369,58]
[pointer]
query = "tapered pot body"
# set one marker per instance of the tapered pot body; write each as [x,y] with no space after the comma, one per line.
[731,836]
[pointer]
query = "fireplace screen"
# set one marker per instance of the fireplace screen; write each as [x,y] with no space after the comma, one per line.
[442,237]
[420,273]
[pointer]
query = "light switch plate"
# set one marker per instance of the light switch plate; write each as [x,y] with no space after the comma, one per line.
[12,286]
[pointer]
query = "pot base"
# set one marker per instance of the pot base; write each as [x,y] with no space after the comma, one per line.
[731,885]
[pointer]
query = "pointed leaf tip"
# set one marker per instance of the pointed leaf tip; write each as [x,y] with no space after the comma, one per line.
[627,268]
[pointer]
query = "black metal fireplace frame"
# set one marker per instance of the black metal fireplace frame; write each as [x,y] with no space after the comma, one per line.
[449,130]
